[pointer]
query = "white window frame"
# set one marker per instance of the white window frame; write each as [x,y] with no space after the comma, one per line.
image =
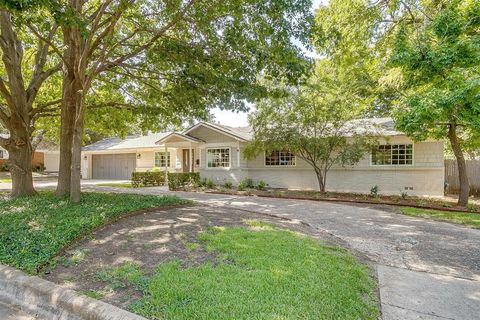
[218,148]
[169,159]
[279,165]
[391,156]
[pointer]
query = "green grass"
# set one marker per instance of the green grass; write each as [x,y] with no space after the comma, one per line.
[469,219]
[116,184]
[262,273]
[34,229]
[6,180]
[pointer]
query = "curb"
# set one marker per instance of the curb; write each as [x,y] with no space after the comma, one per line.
[51,301]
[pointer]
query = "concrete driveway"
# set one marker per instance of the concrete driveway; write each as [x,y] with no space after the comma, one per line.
[426,269]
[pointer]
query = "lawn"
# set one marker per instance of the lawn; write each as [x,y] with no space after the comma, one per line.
[469,219]
[116,184]
[261,272]
[34,229]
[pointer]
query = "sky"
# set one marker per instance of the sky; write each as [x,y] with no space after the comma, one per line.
[240,119]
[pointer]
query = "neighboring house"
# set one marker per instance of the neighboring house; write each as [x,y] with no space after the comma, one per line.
[216,151]
[46,155]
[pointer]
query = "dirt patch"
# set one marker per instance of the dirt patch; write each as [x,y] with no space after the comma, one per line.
[148,240]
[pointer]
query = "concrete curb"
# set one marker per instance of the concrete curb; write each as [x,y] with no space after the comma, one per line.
[50,301]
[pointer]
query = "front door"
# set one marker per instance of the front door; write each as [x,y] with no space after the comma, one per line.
[187,160]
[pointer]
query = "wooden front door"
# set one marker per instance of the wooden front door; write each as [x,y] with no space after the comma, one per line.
[187,160]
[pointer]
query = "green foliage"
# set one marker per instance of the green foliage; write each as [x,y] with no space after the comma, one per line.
[149,178]
[116,184]
[469,219]
[374,191]
[34,229]
[38,167]
[313,122]
[210,184]
[439,63]
[261,185]
[248,183]
[180,180]
[5,167]
[284,273]
[241,186]
[228,184]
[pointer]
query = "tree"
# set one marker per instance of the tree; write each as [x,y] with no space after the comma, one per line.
[439,61]
[192,54]
[26,67]
[314,122]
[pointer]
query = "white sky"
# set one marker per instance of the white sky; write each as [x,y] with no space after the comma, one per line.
[240,119]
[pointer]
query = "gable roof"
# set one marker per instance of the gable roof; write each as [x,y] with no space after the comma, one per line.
[241,133]
[376,126]
[130,142]
[179,135]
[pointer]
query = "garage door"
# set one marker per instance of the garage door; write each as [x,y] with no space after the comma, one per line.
[113,166]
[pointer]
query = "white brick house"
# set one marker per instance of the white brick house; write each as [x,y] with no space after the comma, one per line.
[216,151]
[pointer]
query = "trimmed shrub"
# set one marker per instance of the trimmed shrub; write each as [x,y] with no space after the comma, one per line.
[145,179]
[179,180]
[228,184]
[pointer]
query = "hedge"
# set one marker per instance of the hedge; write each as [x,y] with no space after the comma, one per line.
[144,179]
[182,179]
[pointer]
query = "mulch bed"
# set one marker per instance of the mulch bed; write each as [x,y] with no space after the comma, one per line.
[410,201]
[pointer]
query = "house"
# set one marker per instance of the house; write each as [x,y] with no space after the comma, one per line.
[215,151]
[44,156]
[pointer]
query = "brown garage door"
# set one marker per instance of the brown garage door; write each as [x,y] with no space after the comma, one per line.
[113,166]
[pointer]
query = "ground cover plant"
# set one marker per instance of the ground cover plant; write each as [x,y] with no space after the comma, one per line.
[468,219]
[259,272]
[34,229]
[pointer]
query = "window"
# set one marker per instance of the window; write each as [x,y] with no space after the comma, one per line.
[218,158]
[393,154]
[3,154]
[160,159]
[279,158]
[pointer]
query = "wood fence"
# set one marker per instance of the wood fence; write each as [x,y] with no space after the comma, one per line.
[451,176]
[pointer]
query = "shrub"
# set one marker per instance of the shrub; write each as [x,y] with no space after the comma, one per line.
[182,179]
[261,185]
[38,167]
[249,183]
[228,184]
[149,178]
[155,169]
[374,191]
[404,194]
[202,182]
[210,184]
[241,186]
[5,167]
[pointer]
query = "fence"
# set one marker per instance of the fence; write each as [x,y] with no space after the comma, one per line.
[451,176]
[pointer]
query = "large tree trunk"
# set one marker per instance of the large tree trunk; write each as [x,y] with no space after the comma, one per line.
[66,136]
[20,156]
[69,107]
[462,167]
[75,186]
